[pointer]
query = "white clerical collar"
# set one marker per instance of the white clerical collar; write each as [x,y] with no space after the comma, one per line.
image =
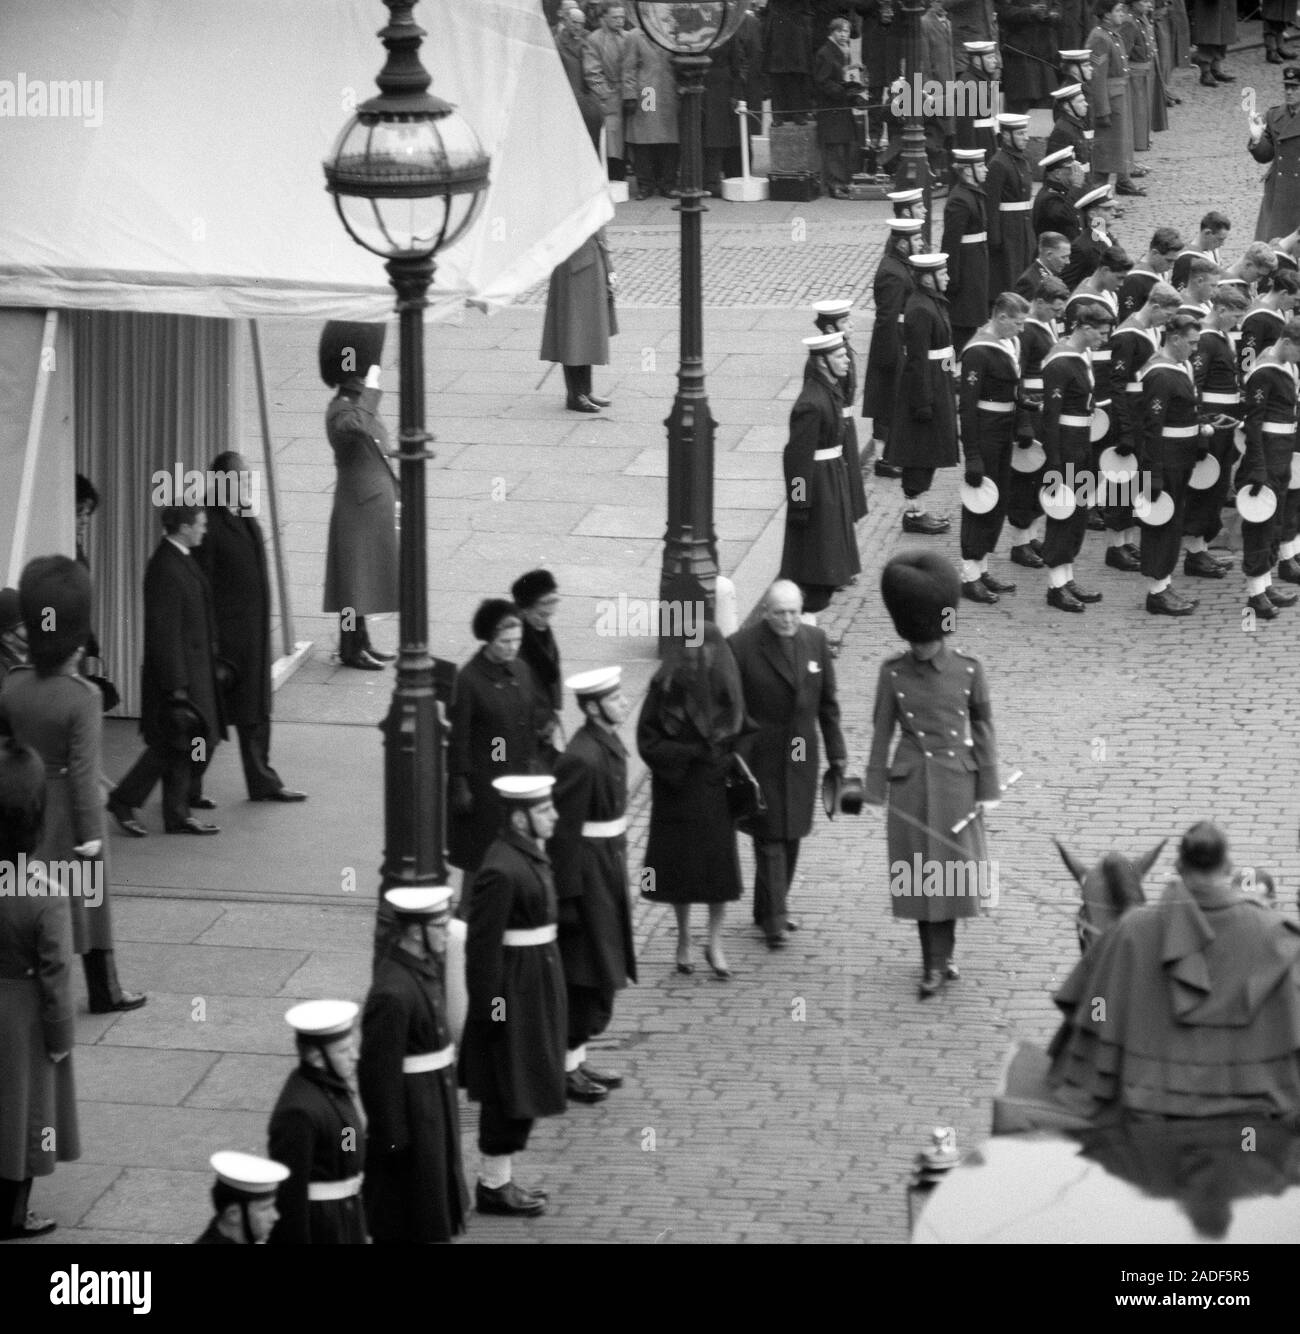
[180,546]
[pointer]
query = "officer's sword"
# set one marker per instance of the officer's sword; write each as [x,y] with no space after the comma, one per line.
[961,824]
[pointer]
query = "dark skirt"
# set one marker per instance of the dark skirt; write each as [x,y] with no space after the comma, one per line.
[692,845]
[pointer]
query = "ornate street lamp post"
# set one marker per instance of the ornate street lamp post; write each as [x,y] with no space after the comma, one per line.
[913,170]
[689,32]
[408,175]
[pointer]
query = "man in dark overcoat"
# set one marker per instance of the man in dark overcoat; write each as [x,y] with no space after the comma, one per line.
[788,674]
[981,68]
[512,1061]
[1009,190]
[787,56]
[925,429]
[580,319]
[1052,211]
[182,715]
[1072,119]
[589,854]
[1275,139]
[537,596]
[821,550]
[361,562]
[414,1190]
[316,1130]
[890,287]
[966,243]
[837,131]
[1215,25]
[233,556]
[1095,208]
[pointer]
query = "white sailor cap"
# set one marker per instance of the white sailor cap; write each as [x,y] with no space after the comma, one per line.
[826,342]
[905,224]
[968,155]
[247,1173]
[525,788]
[934,260]
[906,196]
[1101,195]
[423,901]
[591,685]
[834,307]
[322,1018]
[979,48]
[1062,157]
[1012,120]
[1074,56]
[1070,90]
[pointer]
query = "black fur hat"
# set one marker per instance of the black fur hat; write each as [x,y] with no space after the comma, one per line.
[920,590]
[487,619]
[54,593]
[532,587]
[348,350]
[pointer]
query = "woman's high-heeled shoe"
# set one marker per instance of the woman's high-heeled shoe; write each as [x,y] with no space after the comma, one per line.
[685,967]
[723,974]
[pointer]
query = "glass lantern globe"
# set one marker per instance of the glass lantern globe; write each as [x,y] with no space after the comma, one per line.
[689,27]
[407,185]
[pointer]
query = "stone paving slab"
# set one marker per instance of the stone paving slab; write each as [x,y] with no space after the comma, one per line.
[171,1137]
[242,1082]
[158,1078]
[143,1201]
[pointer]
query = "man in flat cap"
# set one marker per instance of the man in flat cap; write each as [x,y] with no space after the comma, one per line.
[316,1130]
[1009,189]
[414,1190]
[513,1058]
[966,243]
[589,854]
[243,1196]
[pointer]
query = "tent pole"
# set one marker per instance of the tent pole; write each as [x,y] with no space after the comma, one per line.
[272,494]
[35,425]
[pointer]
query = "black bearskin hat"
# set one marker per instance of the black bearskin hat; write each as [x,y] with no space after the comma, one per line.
[920,590]
[348,350]
[531,588]
[54,592]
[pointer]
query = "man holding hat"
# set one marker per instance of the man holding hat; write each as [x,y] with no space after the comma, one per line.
[1275,139]
[821,549]
[990,388]
[589,854]
[925,433]
[835,315]
[966,243]
[243,1196]
[1072,119]
[976,128]
[890,288]
[939,773]
[316,1130]
[516,1033]
[414,1189]
[1010,204]
[1095,209]
[788,675]
[1052,211]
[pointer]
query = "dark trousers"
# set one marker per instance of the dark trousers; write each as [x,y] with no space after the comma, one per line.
[836,165]
[790,93]
[655,166]
[1259,540]
[917,481]
[938,939]
[500,1134]
[980,532]
[577,380]
[1063,538]
[1289,524]
[1161,544]
[1023,505]
[13,1203]
[1204,516]
[590,1010]
[775,860]
[255,753]
[616,168]
[354,641]
[182,780]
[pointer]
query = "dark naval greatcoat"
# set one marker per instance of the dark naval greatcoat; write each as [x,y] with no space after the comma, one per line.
[1279,146]
[1008,189]
[966,243]
[890,289]
[925,427]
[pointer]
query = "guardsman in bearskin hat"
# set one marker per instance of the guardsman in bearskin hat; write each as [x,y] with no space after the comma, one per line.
[1010,205]
[835,315]
[966,243]
[316,1131]
[821,548]
[938,775]
[516,1033]
[589,853]
[243,1196]
[890,287]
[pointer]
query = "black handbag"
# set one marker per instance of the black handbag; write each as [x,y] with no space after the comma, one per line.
[745,800]
[107,689]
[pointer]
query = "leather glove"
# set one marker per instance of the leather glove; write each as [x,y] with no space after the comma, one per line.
[462,799]
[1202,453]
[1124,449]
[1256,480]
[1155,485]
[972,478]
[925,414]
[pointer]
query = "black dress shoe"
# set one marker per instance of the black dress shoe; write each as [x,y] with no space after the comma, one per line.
[976,590]
[507,1199]
[284,794]
[1263,607]
[1168,603]
[1083,594]
[883,469]
[929,524]
[31,1226]
[126,820]
[1036,543]
[373,652]
[1282,597]
[996,584]
[1222,76]
[202,804]
[1128,188]
[776,942]
[1120,558]
[579,1088]
[193,826]
[1288,570]
[791,924]
[128,1000]
[931,983]
[1025,555]
[606,1077]
[598,401]
[1096,524]
[1201,565]
[1207,79]
[580,403]
[362,661]
[1063,600]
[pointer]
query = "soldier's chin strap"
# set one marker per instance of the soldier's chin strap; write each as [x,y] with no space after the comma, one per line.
[248,1227]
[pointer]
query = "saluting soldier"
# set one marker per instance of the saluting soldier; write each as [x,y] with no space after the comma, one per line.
[316,1131]
[990,388]
[966,243]
[243,1196]
[1010,203]
[1068,389]
[821,550]
[1218,388]
[589,854]
[1270,394]
[515,1036]
[1171,443]
[976,128]
[1052,211]
[1072,119]
[1151,269]
[414,1188]
[1275,139]
[925,432]
[893,281]
[1095,210]
[835,315]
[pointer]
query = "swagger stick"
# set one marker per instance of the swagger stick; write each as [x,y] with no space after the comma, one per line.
[961,824]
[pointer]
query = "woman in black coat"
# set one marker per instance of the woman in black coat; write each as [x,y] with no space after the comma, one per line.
[687,731]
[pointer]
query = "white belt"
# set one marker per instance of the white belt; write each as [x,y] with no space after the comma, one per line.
[604,828]
[987,405]
[971,237]
[1279,428]
[1032,382]
[846,412]
[431,1060]
[1233,399]
[319,1191]
[825,455]
[537,935]
[938,353]
[1020,206]
[1179,432]
[1075,421]
[983,124]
